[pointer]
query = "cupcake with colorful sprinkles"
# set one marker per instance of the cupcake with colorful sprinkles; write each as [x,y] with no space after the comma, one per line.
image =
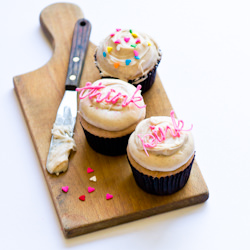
[161,153]
[109,111]
[130,56]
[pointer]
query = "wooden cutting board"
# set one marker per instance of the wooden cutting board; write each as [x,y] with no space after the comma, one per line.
[40,93]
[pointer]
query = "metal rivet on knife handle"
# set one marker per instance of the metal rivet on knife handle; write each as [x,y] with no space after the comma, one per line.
[72,77]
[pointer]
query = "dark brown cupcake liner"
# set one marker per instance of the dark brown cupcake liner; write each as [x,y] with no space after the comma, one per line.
[163,185]
[146,81]
[107,146]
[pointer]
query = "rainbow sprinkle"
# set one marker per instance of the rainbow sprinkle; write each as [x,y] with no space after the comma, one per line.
[117,41]
[131,31]
[118,30]
[137,41]
[128,61]
[137,57]
[112,34]
[134,35]
[149,44]
[133,45]
[136,53]
[104,53]
[116,65]
[109,48]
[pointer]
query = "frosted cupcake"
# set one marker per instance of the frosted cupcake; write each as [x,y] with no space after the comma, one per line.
[161,154]
[130,56]
[109,111]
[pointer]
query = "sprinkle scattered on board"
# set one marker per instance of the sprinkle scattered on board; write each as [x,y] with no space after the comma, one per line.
[65,189]
[82,198]
[93,178]
[109,196]
[90,170]
[91,189]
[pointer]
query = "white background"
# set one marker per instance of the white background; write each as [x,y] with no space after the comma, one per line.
[205,71]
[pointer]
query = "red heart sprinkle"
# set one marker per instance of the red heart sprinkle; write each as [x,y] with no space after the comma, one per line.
[91,189]
[90,170]
[109,196]
[82,198]
[65,189]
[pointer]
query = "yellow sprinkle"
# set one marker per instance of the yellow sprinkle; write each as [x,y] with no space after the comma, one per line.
[134,35]
[149,44]
[109,48]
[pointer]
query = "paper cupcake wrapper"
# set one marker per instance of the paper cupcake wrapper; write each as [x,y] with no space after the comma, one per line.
[164,185]
[107,146]
[146,83]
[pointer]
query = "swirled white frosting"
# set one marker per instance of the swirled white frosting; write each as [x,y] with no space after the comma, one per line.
[148,55]
[168,155]
[112,116]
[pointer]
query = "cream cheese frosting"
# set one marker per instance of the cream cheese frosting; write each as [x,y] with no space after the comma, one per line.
[112,116]
[127,55]
[167,155]
[63,143]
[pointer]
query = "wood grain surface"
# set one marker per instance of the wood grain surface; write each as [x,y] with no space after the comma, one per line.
[40,93]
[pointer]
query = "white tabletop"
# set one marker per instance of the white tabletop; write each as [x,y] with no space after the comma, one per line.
[205,71]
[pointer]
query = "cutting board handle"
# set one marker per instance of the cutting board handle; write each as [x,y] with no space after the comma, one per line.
[78,52]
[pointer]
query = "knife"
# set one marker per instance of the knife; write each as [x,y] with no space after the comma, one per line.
[62,141]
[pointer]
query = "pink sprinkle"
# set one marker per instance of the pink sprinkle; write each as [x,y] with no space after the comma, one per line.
[126,39]
[136,53]
[137,41]
[91,189]
[109,196]
[65,189]
[112,34]
[118,30]
[90,170]
[118,41]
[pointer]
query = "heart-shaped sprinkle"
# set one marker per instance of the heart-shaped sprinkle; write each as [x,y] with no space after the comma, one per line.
[133,45]
[91,189]
[82,198]
[116,65]
[117,41]
[109,196]
[93,178]
[109,48]
[65,189]
[126,39]
[128,61]
[90,170]
[136,53]
[118,30]
[137,57]
[112,34]
[137,41]
[104,54]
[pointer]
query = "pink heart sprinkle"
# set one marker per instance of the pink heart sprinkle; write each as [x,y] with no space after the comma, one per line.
[90,189]
[112,34]
[137,41]
[117,41]
[65,189]
[136,53]
[118,30]
[126,39]
[109,196]
[90,170]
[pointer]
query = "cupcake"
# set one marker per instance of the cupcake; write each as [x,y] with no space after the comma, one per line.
[109,111]
[161,154]
[130,56]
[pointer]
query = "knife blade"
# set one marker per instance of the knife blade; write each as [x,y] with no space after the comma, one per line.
[62,141]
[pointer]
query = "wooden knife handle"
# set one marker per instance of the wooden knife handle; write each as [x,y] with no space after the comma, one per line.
[78,52]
